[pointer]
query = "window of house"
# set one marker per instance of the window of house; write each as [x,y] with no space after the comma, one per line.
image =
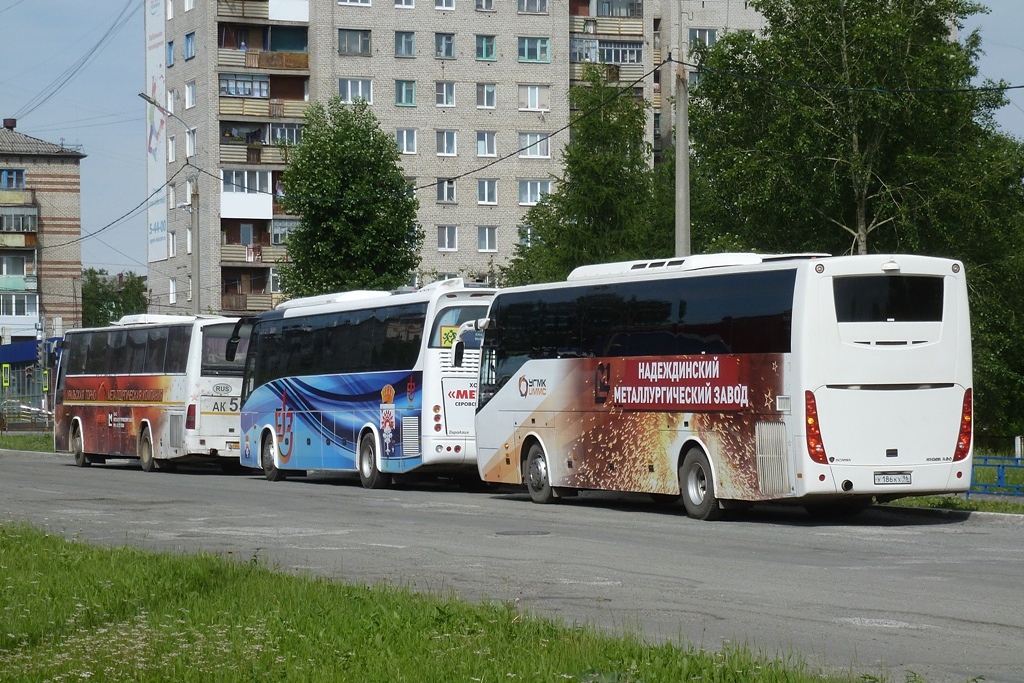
[172,291]
[172,244]
[405,93]
[171,154]
[446,190]
[19,219]
[352,89]
[446,143]
[620,8]
[12,179]
[405,4]
[245,85]
[485,5]
[190,94]
[525,235]
[170,9]
[582,50]
[534,97]
[250,182]
[353,42]
[405,43]
[531,191]
[444,4]
[487,238]
[188,191]
[190,142]
[620,52]
[533,6]
[12,265]
[246,232]
[534,146]
[354,2]
[447,238]
[188,240]
[487,191]
[702,36]
[275,281]
[444,93]
[444,45]
[485,49]
[406,138]
[188,295]
[170,53]
[280,228]
[485,95]
[287,133]
[190,5]
[190,45]
[534,49]
[485,145]
[172,196]
[172,95]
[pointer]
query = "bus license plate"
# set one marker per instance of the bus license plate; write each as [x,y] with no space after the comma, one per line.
[233,446]
[882,478]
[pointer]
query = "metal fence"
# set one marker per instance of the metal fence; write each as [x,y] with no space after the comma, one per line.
[998,475]
[25,412]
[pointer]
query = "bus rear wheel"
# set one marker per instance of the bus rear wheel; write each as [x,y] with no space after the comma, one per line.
[268,453]
[698,486]
[78,448]
[536,477]
[369,475]
[146,452]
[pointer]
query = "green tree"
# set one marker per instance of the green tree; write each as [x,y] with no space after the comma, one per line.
[106,298]
[358,226]
[602,208]
[852,126]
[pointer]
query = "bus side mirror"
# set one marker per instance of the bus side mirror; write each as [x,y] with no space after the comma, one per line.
[236,336]
[460,353]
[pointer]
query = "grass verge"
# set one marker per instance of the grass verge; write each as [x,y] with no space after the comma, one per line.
[27,441]
[73,611]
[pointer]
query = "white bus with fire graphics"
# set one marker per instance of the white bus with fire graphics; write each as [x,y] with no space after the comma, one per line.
[154,387]
[363,382]
[729,379]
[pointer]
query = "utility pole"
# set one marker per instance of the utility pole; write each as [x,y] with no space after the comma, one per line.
[682,153]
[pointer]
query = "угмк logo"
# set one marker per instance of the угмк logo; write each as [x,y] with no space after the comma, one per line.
[532,387]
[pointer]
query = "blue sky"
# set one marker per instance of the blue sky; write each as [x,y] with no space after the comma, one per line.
[99,108]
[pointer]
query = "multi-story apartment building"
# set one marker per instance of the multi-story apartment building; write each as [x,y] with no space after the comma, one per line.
[475,91]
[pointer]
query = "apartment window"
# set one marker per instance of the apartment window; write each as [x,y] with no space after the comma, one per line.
[172,245]
[620,52]
[446,190]
[190,94]
[19,304]
[405,4]
[275,281]
[280,228]
[12,179]
[170,10]
[172,291]
[171,156]
[701,36]
[354,2]
[582,50]
[245,85]
[12,265]
[487,238]
[189,5]
[485,5]
[249,182]
[405,93]
[406,139]
[447,238]
[485,49]
[446,143]
[190,45]
[19,219]
[485,146]
[352,89]
[172,196]
[188,195]
[188,240]
[444,4]
[531,191]
[620,8]
[487,191]
[287,133]
[172,95]
[405,44]
[353,42]
[190,142]
[534,98]
[533,6]
[525,235]
[188,296]
[170,53]
[533,49]
[444,45]
[444,93]
[485,95]
[534,146]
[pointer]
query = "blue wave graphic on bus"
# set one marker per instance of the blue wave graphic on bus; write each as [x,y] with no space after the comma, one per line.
[318,419]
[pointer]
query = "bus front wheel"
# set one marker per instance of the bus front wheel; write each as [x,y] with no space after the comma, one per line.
[535,474]
[697,485]
[369,475]
[78,448]
[146,452]
[268,453]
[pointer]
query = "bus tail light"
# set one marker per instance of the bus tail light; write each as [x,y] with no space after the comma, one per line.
[963,439]
[190,416]
[815,446]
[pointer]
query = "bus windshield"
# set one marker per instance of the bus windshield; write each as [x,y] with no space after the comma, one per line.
[215,341]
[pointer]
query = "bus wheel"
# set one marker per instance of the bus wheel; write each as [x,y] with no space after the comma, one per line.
[369,475]
[146,452]
[698,486]
[535,474]
[267,455]
[81,459]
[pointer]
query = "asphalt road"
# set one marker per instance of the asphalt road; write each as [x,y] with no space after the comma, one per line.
[889,592]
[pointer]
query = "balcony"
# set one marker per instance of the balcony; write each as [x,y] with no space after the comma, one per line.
[609,26]
[246,303]
[622,73]
[18,197]
[18,240]
[252,106]
[263,59]
[253,253]
[244,9]
[242,153]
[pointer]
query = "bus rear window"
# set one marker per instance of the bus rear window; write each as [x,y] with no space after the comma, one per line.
[888,298]
[215,341]
[447,322]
